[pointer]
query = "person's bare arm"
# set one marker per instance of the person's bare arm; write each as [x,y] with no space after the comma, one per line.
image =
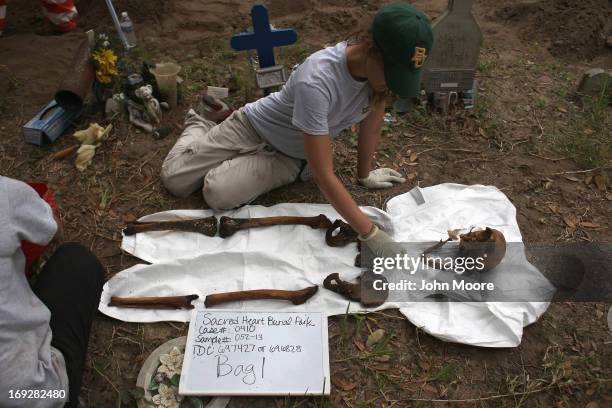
[369,135]
[319,155]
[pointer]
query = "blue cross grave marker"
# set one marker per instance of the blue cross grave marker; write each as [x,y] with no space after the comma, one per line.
[263,39]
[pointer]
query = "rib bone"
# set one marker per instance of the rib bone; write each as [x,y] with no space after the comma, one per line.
[206,226]
[167,302]
[228,226]
[297,297]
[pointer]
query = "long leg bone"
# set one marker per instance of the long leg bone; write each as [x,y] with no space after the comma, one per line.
[228,226]
[206,226]
[297,297]
[167,302]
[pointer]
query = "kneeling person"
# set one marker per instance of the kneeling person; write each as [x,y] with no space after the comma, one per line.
[44,331]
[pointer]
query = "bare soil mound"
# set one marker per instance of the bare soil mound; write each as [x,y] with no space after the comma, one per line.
[91,12]
[576,29]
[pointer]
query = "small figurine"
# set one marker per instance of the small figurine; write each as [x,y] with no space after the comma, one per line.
[152,107]
[138,116]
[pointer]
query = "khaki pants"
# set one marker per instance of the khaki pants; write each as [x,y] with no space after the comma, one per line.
[229,161]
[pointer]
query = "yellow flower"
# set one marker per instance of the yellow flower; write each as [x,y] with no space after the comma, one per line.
[106,65]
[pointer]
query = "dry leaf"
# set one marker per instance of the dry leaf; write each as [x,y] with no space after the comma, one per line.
[383,359]
[570,220]
[482,132]
[562,109]
[600,182]
[375,337]
[429,389]
[129,217]
[554,208]
[571,178]
[425,365]
[609,196]
[588,180]
[381,367]
[589,225]
[359,345]
[413,157]
[342,383]
[411,176]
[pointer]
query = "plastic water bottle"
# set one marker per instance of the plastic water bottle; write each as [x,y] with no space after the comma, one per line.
[128,30]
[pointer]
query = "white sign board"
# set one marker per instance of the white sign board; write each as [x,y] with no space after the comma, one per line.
[256,353]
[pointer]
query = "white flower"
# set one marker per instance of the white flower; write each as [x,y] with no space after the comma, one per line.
[105,44]
[166,397]
[171,363]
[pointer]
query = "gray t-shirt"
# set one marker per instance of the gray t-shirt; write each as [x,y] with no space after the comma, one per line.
[27,359]
[320,98]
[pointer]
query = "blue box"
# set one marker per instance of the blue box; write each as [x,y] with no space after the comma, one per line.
[48,124]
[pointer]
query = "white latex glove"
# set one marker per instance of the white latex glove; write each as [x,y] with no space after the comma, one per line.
[380,244]
[382,178]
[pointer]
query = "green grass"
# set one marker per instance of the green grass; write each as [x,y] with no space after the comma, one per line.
[293,54]
[446,374]
[486,67]
[587,138]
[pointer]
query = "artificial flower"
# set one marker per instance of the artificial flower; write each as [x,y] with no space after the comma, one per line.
[172,363]
[93,135]
[106,65]
[84,156]
[166,397]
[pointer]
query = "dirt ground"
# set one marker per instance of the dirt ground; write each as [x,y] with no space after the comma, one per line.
[530,135]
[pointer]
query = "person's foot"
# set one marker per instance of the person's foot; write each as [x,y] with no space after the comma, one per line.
[212,108]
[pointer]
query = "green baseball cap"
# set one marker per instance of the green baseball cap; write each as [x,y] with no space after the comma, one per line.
[404,36]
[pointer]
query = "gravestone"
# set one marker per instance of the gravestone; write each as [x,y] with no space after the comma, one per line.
[448,73]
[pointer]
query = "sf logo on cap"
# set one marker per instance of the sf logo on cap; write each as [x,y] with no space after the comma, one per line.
[420,54]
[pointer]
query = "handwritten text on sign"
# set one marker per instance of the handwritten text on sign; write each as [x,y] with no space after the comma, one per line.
[256,353]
